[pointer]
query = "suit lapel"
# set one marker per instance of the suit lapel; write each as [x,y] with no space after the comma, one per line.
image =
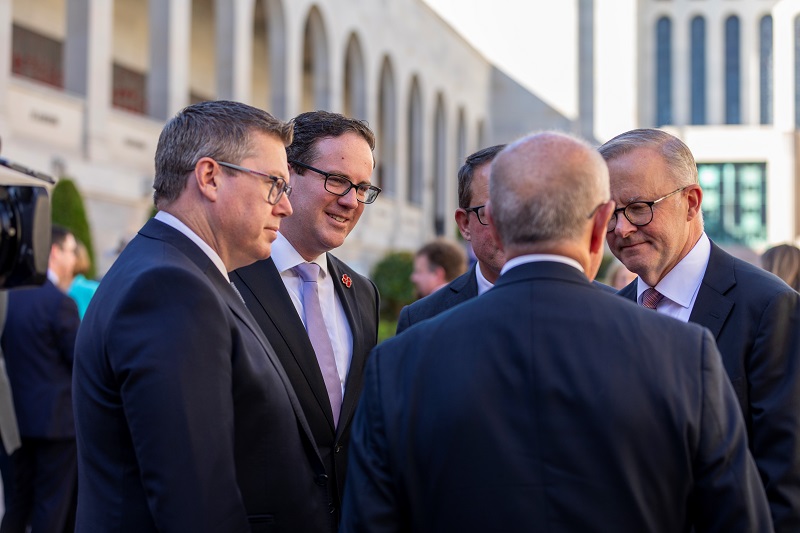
[348,297]
[264,281]
[712,307]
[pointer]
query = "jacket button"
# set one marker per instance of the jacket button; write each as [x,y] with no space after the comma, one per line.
[331,508]
[321,480]
[337,449]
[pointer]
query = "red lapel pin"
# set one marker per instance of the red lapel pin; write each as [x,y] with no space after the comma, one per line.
[346,280]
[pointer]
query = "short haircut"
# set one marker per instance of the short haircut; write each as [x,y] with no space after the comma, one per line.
[546,192]
[676,154]
[58,234]
[83,263]
[220,129]
[312,126]
[467,172]
[446,254]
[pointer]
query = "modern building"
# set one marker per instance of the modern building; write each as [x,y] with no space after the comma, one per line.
[723,75]
[86,86]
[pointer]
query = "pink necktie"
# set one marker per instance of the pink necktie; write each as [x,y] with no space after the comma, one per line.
[651,297]
[318,335]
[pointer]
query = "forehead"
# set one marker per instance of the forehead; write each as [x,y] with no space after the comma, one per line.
[637,175]
[347,154]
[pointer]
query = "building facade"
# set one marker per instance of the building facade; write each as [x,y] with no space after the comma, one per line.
[86,86]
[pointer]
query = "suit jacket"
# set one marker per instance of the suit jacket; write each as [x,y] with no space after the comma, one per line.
[38,342]
[549,405]
[185,418]
[457,291]
[755,318]
[269,301]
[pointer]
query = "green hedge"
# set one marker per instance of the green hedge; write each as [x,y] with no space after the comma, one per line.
[392,277]
[69,211]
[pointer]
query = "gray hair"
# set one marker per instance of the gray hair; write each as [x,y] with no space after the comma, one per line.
[676,154]
[544,187]
[221,130]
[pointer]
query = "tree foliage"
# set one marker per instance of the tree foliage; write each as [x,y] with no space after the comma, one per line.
[69,211]
[392,277]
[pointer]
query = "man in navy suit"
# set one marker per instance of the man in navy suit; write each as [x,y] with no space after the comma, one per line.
[547,404]
[473,193]
[657,232]
[39,479]
[185,419]
[331,163]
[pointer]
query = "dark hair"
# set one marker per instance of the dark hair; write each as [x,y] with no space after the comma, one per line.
[467,172]
[312,126]
[58,234]
[446,254]
[219,129]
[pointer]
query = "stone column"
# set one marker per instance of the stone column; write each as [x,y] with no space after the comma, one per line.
[234,48]
[168,82]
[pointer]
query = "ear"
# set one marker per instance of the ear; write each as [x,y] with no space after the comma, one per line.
[462,219]
[695,198]
[599,225]
[207,177]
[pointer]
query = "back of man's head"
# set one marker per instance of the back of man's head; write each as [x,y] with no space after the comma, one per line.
[315,125]
[447,255]
[220,129]
[543,189]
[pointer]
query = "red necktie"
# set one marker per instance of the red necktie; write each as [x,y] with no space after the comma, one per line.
[651,298]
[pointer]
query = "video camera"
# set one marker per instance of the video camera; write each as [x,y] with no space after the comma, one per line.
[25,225]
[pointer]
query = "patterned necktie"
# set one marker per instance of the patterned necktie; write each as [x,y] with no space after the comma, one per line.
[318,335]
[651,298]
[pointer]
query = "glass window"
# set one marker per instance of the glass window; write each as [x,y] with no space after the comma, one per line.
[663,71]
[698,70]
[733,73]
[36,57]
[765,69]
[129,89]
[735,202]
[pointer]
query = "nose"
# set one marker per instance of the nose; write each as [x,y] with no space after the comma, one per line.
[624,227]
[349,199]
[283,208]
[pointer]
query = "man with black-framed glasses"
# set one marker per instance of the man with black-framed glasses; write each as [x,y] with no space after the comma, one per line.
[319,314]
[657,232]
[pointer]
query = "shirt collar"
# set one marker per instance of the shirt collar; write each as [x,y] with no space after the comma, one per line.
[173,222]
[483,283]
[286,257]
[682,282]
[532,258]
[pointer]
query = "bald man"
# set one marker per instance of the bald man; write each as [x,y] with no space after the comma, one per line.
[525,409]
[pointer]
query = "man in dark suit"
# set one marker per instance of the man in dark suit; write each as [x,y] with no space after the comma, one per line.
[657,232]
[185,419]
[547,404]
[473,193]
[331,163]
[39,479]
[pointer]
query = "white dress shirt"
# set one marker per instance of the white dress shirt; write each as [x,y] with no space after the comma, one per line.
[286,258]
[533,258]
[483,283]
[681,284]
[173,222]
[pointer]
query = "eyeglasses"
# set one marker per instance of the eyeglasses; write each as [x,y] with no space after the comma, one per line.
[340,185]
[638,213]
[277,186]
[479,213]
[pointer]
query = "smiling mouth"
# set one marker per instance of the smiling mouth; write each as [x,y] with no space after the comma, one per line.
[337,218]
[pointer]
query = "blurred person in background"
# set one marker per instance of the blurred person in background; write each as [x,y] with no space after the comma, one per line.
[436,264]
[783,260]
[82,289]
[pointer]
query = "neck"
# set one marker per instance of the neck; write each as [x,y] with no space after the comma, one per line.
[488,272]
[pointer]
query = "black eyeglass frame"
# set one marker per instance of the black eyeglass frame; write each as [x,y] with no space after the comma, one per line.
[363,187]
[275,181]
[475,209]
[650,204]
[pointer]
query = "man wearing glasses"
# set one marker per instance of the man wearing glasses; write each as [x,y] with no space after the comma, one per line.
[657,232]
[473,192]
[319,314]
[185,418]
